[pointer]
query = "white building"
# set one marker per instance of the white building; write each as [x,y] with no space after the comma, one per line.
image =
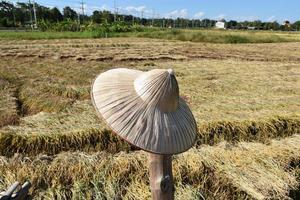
[220,25]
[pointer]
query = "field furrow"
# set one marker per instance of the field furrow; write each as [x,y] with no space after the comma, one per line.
[120,49]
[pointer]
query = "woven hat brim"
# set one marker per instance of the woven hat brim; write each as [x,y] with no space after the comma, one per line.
[140,124]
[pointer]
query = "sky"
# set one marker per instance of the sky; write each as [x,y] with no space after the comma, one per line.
[240,10]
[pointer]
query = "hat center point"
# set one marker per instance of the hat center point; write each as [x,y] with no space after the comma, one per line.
[158,88]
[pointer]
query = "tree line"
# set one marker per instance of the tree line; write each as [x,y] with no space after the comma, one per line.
[22,15]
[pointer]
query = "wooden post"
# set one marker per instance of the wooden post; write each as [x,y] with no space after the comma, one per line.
[161,177]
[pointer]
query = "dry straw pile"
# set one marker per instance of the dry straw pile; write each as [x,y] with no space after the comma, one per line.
[225,171]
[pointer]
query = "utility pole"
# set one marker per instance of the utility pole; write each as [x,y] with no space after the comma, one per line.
[158,18]
[14,15]
[78,18]
[115,8]
[34,14]
[30,14]
[82,11]
[142,16]
[124,14]
[117,14]
[174,22]
[153,15]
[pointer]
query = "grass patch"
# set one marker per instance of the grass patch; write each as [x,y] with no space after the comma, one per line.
[36,35]
[209,36]
[219,36]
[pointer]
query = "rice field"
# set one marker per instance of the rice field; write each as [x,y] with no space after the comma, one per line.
[245,98]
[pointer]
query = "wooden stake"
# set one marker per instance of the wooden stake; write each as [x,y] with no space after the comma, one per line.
[161,177]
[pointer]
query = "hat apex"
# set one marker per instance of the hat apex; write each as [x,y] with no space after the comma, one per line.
[158,88]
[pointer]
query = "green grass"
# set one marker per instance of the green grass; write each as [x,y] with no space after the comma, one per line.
[220,36]
[209,36]
[37,35]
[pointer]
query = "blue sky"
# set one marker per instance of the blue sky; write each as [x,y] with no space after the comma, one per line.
[265,10]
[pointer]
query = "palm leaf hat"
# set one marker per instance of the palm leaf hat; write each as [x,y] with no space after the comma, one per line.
[145,109]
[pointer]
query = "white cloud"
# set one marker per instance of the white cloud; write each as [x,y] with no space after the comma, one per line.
[198,15]
[221,16]
[177,13]
[271,19]
[90,9]
[49,6]
[104,7]
[135,9]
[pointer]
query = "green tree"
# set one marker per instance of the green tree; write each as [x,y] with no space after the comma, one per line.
[69,13]
[107,16]
[296,25]
[7,14]
[22,13]
[257,24]
[269,26]
[55,15]
[231,24]
[42,12]
[97,17]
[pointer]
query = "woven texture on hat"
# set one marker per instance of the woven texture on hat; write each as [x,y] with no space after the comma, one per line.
[145,109]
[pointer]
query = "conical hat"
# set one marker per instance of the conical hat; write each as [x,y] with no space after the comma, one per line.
[145,109]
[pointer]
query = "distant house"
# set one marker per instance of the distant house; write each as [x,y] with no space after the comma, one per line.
[220,24]
[251,28]
[287,24]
